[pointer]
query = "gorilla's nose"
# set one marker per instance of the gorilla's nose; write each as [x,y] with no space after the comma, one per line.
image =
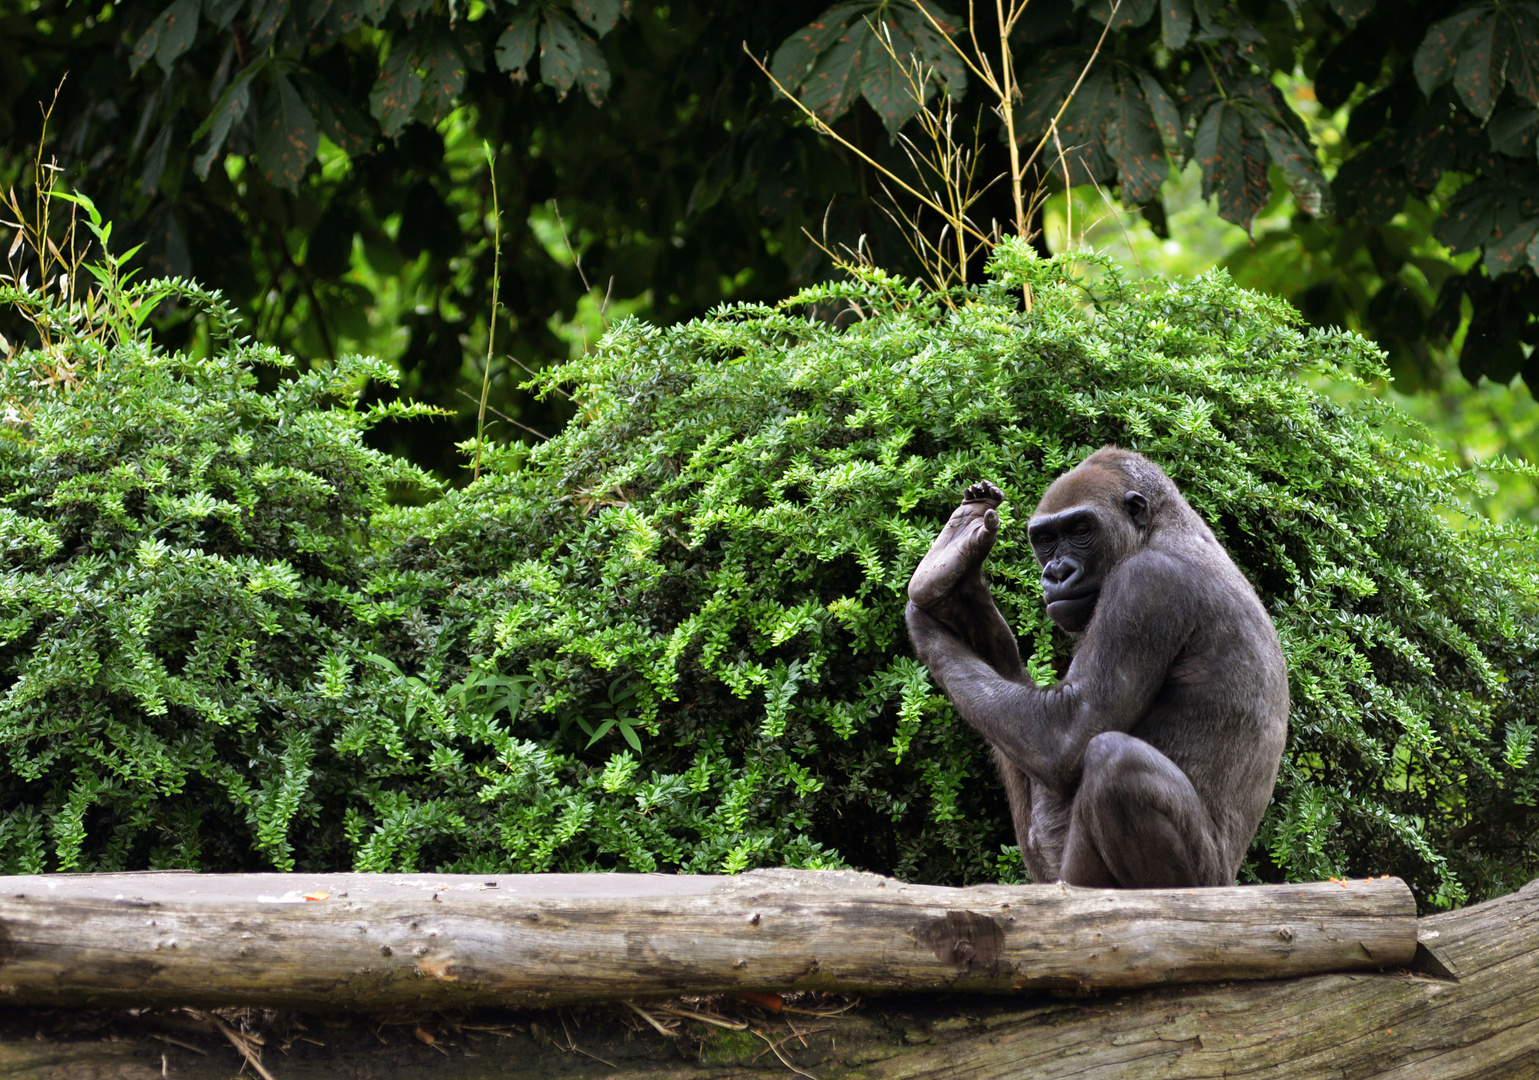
[1060,571]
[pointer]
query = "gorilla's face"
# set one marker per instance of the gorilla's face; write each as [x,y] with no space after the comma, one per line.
[1077,547]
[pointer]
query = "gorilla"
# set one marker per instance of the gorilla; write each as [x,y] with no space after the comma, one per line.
[1151,762]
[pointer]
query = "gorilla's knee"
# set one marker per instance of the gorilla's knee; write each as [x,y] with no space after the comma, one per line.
[1110,757]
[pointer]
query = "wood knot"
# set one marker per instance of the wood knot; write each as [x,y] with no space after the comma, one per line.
[963,939]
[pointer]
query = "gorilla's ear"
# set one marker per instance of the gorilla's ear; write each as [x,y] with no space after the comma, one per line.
[1138,508]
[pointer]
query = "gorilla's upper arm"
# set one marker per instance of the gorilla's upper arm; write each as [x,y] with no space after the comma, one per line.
[1143,619]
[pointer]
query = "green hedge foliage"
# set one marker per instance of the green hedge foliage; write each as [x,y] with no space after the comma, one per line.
[670,638]
[182,562]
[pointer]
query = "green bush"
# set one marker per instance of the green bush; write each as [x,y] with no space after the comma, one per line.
[180,572]
[726,530]
[670,638]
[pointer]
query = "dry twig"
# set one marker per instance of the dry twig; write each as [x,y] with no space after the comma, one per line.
[783,1059]
[649,1018]
[704,1018]
[243,1043]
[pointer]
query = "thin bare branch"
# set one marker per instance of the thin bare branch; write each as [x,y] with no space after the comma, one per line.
[535,374]
[570,250]
[505,416]
[1114,212]
[491,322]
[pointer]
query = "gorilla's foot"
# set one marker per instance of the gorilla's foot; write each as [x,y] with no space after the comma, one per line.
[958,552]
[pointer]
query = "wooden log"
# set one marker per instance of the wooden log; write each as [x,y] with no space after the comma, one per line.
[430,941]
[1478,1020]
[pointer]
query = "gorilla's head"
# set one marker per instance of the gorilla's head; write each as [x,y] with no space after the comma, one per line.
[1090,519]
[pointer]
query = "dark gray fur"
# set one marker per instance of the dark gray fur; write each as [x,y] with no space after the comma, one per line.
[1151,763]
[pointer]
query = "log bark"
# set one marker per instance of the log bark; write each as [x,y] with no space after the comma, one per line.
[1468,1009]
[416,941]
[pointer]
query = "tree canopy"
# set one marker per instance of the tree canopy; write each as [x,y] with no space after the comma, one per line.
[310,157]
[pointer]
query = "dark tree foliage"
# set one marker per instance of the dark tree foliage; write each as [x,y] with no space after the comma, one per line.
[302,155]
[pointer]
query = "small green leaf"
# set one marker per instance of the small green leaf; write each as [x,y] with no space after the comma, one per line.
[1176,23]
[444,75]
[600,15]
[1130,13]
[168,37]
[1512,131]
[226,114]
[397,90]
[1522,33]
[1133,141]
[1507,248]
[288,139]
[1351,12]
[515,48]
[1482,70]
[630,735]
[1440,49]
[86,204]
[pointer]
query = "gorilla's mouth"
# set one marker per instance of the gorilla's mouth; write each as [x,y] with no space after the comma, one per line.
[1055,598]
[1073,611]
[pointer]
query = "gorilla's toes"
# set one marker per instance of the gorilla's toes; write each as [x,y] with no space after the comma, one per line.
[984,491]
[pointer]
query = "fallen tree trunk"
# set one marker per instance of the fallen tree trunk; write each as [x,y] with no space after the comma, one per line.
[1471,1012]
[391,941]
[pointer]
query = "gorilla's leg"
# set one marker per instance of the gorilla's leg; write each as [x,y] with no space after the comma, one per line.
[1041,821]
[949,585]
[957,555]
[1137,822]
